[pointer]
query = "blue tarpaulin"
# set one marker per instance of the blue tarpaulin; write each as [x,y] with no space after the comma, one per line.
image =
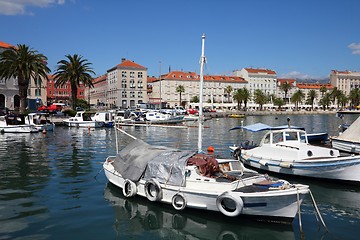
[262,127]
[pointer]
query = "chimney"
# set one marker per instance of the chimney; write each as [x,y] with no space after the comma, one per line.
[123,59]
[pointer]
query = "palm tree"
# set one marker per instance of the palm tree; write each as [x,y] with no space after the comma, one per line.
[260,98]
[278,102]
[311,98]
[228,91]
[180,89]
[23,63]
[286,86]
[354,97]
[297,98]
[323,90]
[238,98]
[76,71]
[325,101]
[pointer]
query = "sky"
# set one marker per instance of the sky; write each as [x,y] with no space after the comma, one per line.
[302,39]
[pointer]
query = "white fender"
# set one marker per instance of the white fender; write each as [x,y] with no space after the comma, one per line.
[129,189]
[178,201]
[153,190]
[229,204]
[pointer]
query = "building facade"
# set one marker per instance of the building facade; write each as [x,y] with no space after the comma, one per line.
[61,94]
[126,85]
[213,88]
[262,79]
[345,80]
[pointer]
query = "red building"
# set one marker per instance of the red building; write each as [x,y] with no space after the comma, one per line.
[61,94]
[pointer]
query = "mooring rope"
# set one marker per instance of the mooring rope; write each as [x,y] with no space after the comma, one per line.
[318,211]
[298,203]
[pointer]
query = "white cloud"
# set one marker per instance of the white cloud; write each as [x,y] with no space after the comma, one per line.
[18,7]
[300,76]
[355,47]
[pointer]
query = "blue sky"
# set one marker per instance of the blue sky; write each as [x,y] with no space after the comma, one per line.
[298,39]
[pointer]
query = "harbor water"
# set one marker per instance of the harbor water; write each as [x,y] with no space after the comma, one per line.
[52,187]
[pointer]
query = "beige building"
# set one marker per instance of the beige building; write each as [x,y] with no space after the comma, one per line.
[213,88]
[345,80]
[126,85]
[263,79]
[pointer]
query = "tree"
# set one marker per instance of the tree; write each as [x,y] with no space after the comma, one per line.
[228,91]
[195,99]
[334,95]
[23,63]
[325,101]
[311,98]
[323,90]
[180,89]
[342,100]
[286,86]
[260,98]
[279,102]
[75,70]
[297,98]
[354,97]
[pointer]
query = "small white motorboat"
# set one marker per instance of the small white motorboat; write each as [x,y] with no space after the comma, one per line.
[82,119]
[15,124]
[40,121]
[106,117]
[286,150]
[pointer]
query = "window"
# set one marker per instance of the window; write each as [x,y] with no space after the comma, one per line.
[132,74]
[123,74]
[140,84]
[123,94]
[132,94]
[140,74]
[132,83]
[123,83]
[140,94]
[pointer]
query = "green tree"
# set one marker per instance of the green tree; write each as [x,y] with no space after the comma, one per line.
[260,98]
[195,99]
[311,98]
[286,86]
[354,97]
[23,63]
[228,91]
[323,90]
[297,98]
[279,102]
[180,89]
[342,100]
[242,95]
[75,70]
[334,95]
[325,101]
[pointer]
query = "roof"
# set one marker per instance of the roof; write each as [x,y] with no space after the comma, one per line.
[5,45]
[341,72]
[314,85]
[127,64]
[100,79]
[284,80]
[191,76]
[259,70]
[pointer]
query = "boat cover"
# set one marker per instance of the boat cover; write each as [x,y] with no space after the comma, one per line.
[139,159]
[351,133]
[257,127]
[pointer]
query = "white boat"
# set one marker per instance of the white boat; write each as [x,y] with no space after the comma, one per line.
[349,140]
[40,121]
[15,124]
[186,179]
[106,117]
[159,117]
[82,119]
[286,150]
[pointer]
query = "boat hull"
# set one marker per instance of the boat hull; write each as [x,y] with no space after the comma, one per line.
[345,146]
[339,169]
[18,129]
[279,205]
[84,124]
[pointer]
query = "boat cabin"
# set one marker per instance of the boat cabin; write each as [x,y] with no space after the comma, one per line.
[284,135]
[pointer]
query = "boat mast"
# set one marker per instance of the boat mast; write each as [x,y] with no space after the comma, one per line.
[202,62]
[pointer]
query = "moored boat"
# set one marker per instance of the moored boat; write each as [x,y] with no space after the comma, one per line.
[41,121]
[82,119]
[349,140]
[15,124]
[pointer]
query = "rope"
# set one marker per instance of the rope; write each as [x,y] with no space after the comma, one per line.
[298,203]
[317,211]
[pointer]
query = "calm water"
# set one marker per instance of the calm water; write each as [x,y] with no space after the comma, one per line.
[53,187]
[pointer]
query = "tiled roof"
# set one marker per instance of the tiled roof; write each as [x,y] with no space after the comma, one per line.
[5,45]
[259,70]
[341,72]
[183,76]
[99,79]
[151,79]
[130,64]
[284,80]
[314,86]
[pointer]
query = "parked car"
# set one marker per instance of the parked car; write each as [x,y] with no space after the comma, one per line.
[192,111]
[55,107]
[180,110]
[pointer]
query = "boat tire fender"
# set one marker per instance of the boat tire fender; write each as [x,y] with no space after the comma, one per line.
[153,190]
[229,204]
[129,189]
[179,201]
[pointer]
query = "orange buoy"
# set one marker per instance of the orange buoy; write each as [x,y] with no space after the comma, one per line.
[211,149]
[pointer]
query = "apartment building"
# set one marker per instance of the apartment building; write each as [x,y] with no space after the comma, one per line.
[126,84]
[9,89]
[262,79]
[97,94]
[213,88]
[292,90]
[307,87]
[345,80]
[61,94]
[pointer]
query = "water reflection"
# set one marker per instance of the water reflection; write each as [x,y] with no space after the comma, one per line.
[139,218]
